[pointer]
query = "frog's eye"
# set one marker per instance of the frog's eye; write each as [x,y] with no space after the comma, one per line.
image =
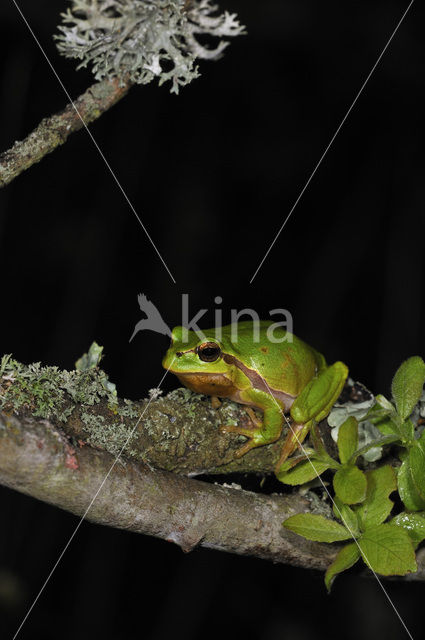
[208,352]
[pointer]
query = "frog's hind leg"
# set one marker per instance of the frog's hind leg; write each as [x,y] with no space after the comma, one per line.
[313,404]
[254,420]
[259,433]
[294,439]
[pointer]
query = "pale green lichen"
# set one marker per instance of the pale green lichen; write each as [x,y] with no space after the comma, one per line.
[127,409]
[182,395]
[144,39]
[229,412]
[49,392]
[91,360]
[109,436]
[3,362]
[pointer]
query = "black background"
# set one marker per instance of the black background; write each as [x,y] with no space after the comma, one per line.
[212,173]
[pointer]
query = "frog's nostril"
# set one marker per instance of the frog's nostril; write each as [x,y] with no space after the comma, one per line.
[179,354]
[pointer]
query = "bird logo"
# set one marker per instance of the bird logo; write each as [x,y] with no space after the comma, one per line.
[153,321]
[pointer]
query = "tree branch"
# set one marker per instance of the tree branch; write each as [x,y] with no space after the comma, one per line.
[60,433]
[55,130]
[36,459]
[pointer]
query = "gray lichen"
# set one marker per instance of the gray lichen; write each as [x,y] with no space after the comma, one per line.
[144,39]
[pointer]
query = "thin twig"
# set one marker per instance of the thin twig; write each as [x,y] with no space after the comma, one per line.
[55,130]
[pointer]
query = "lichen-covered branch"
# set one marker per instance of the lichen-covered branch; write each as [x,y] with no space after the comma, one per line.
[126,42]
[179,432]
[55,130]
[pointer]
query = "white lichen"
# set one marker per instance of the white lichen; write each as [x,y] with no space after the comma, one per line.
[144,39]
[154,393]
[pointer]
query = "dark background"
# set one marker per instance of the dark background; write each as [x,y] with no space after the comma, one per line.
[212,173]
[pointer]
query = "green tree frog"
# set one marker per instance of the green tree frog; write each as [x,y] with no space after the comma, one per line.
[260,366]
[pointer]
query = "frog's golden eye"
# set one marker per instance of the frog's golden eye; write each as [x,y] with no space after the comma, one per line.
[208,352]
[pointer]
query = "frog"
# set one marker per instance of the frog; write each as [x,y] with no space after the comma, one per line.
[262,366]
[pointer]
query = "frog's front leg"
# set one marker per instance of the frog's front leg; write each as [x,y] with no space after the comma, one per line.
[259,433]
[313,405]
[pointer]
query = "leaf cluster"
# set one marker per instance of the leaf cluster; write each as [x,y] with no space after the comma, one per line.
[361,503]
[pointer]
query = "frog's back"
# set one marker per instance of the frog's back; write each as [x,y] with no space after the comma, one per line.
[286,366]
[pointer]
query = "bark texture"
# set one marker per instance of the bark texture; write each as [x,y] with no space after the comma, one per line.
[55,130]
[37,459]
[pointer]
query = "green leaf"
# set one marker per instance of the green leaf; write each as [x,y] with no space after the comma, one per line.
[388,550]
[348,439]
[407,385]
[348,517]
[346,557]
[380,442]
[350,484]
[406,488]
[413,523]
[416,460]
[384,416]
[296,459]
[408,429]
[303,472]
[388,426]
[377,506]
[384,406]
[316,528]
[421,440]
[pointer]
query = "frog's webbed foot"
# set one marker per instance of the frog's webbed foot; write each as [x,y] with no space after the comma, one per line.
[313,404]
[253,432]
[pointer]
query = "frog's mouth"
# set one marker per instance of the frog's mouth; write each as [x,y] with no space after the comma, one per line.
[211,384]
